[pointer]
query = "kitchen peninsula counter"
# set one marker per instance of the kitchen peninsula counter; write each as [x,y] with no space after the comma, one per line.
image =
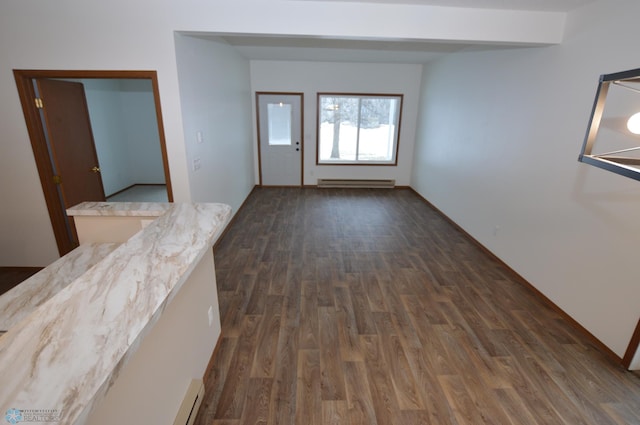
[66,354]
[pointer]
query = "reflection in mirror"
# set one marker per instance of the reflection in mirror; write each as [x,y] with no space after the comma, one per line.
[613,135]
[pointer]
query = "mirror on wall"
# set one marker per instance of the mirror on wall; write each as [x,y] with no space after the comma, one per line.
[612,141]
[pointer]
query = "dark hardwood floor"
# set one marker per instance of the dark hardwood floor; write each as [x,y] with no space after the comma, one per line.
[367,307]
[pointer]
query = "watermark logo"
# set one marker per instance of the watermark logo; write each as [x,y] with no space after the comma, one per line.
[14,416]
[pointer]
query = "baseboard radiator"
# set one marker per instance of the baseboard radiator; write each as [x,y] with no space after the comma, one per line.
[357,183]
[191,403]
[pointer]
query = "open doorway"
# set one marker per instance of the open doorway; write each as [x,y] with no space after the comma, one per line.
[110,169]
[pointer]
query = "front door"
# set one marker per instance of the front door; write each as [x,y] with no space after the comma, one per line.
[70,140]
[280,144]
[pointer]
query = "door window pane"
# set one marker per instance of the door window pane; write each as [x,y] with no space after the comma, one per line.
[279,123]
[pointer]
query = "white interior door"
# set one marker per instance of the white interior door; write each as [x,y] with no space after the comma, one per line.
[280,139]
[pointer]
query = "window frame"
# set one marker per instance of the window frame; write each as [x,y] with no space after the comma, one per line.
[396,143]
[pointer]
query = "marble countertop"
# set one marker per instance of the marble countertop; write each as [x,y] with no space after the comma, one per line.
[120,209]
[66,353]
[23,299]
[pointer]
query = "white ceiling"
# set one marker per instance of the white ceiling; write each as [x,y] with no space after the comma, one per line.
[382,51]
[532,5]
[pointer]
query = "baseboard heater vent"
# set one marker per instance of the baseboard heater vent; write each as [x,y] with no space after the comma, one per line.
[191,403]
[352,183]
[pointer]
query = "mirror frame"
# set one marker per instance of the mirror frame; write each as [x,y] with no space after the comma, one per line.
[612,161]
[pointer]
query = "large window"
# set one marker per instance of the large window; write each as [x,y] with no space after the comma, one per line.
[358,128]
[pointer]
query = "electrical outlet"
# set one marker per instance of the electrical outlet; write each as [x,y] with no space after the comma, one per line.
[210,314]
[197,163]
[496,229]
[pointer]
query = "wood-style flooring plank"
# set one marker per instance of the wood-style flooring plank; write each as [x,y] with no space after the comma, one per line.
[335,412]
[405,388]
[257,401]
[460,402]
[516,410]
[383,396]
[216,378]
[349,343]
[231,402]
[345,306]
[309,327]
[283,395]
[361,409]
[264,361]
[332,375]
[308,400]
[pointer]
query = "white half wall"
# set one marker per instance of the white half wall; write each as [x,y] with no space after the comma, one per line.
[216,102]
[313,77]
[497,147]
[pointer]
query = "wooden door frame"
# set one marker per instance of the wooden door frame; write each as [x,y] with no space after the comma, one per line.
[24,81]
[277,93]
[632,349]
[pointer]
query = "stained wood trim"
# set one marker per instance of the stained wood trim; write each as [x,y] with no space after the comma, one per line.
[161,136]
[35,129]
[517,277]
[258,137]
[20,269]
[277,186]
[148,184]
[301,139]
[57,214]
[632,348]
[212,359]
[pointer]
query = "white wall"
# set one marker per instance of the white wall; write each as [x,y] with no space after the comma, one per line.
[141,129]
[497,146]
[125,131]
[313,77]
[103,101]
[73,34]
[216,101]
[123,35]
